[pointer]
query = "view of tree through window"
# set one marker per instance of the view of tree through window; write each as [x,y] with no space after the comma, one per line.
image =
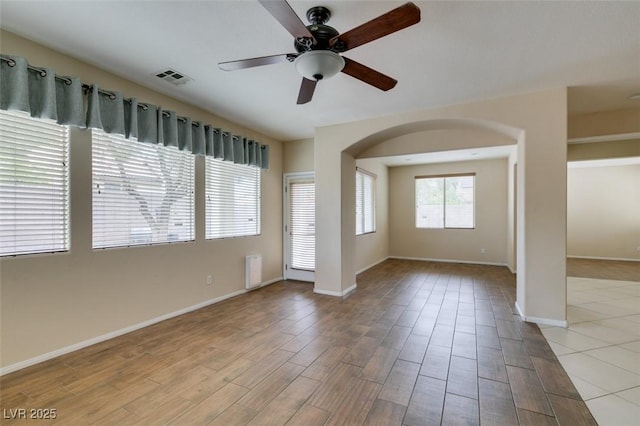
[142,193]
[445,201]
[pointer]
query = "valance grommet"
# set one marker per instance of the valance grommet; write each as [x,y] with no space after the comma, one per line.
[43,94]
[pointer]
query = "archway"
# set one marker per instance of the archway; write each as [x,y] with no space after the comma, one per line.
[536,121]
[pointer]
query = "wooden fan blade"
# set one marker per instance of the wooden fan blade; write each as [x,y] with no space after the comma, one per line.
[392,21]
[282,11]
[306,90]
[256,62]
[368,75]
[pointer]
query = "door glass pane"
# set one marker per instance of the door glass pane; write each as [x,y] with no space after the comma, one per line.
[302,225]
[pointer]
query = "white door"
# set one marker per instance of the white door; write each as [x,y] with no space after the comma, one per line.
[299,227]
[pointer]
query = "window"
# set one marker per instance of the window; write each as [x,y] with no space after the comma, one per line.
[445,201]
[142,193]
[233,199]
[365,202]
[34,185]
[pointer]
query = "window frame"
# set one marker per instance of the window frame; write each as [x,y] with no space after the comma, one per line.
[444,177]
[256,216]
[373,178]
[61,193]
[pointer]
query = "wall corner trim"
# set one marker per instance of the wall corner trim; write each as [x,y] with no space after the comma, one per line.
[273,281]
[336,293]
[621,259]
[543,321]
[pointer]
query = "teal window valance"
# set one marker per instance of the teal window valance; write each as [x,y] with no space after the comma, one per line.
[68,101]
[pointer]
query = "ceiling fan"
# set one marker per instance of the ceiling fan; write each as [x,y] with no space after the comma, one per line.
[319,46]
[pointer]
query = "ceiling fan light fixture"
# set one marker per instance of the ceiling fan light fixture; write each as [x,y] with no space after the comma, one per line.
[319,64]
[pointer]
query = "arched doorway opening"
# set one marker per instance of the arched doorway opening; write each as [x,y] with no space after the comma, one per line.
[540,134]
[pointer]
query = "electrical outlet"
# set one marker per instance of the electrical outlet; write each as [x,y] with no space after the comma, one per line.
[209,279]
[482,250]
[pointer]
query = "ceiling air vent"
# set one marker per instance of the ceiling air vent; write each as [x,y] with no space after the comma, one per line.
[174,77]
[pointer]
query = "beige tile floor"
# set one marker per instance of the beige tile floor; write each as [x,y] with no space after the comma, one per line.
[600,350]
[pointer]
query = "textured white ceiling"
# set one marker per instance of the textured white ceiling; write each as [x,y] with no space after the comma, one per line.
[460,51]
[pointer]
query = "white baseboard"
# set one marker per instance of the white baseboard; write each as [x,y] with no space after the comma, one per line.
[273,281]
[624,259]
[372,265]
[519,310]
[336,293]
[98,339]
[579,279]
[548,321]
[543,321]
[350,289]
[470,262]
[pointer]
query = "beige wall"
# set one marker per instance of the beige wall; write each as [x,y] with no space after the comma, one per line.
[465,245]
[374,247]
[50,302]
[297,156]
[598,150]
[603,212]
[623,121]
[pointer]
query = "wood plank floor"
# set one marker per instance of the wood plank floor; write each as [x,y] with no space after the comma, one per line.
[418,343]
[620,270]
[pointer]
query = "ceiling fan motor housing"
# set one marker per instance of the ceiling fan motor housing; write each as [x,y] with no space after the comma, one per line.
[318,16]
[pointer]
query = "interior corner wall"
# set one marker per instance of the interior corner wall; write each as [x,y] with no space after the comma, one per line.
[538,121]
[347,222]
[486,243]
[372,248]
[603,208]
[329,224]
[52,302]
[542,208]
[512,169]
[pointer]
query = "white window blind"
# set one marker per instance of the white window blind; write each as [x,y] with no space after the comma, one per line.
[34,185]
[302,226]
[365,202]
[142,193]
[445,201]
[233,199]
